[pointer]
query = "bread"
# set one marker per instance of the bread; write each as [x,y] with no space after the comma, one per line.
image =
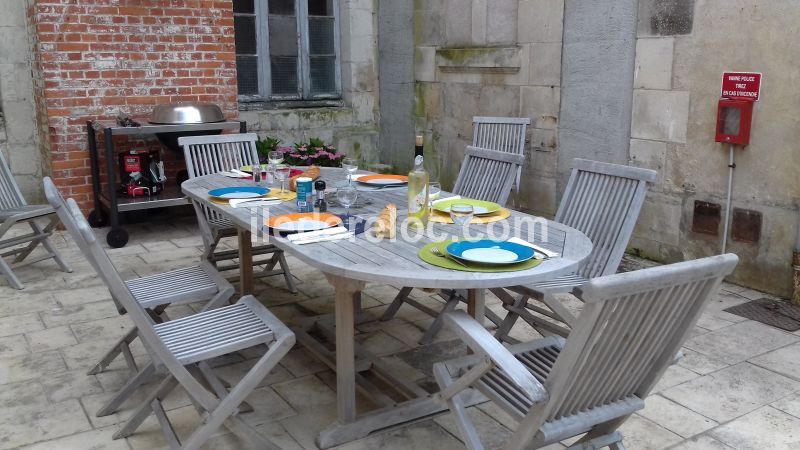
[386,225]
[312,172]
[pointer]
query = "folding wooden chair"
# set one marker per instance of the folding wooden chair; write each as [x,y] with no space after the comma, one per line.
[603,201]
[154,293]
[484,175]
[14,210]
[504,134]
[183,348]
[630,330]
[207,155]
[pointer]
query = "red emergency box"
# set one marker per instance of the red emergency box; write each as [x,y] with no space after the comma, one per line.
[734,118]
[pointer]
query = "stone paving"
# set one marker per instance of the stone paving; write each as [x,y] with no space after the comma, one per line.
[737,387]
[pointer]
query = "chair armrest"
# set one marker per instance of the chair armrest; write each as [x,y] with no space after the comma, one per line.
[483,343]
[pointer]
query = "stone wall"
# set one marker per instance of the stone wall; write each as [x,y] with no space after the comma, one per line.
[683,48]
[481,58]
[599,85]
[353,126]
[19,141]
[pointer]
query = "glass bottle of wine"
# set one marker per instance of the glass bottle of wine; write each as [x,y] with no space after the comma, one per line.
[418,207]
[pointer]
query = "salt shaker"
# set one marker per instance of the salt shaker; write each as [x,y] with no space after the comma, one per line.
[256,168]
[320,204]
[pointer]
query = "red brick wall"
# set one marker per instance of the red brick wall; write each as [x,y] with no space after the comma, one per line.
[96,58]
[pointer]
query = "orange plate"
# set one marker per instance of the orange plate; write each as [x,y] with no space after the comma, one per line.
[367,178]
[330,219]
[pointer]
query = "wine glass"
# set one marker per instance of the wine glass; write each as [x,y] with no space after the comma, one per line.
[434,189]
[282,174]
[461,213]
[347,195]
[274,157]
[351,166]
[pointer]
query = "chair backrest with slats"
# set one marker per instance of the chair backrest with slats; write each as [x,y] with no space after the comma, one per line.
[206,155]
[10,195]
[603,201]
[487,174]
[504,134]
[72,218]
[632,326]
[212,154]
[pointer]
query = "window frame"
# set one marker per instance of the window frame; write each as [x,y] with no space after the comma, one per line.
[264,75]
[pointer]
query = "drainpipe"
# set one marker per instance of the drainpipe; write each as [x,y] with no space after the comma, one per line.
[796,261]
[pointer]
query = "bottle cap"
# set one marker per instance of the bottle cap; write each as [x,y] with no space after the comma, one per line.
[303,180]
[319,185]
[419,140]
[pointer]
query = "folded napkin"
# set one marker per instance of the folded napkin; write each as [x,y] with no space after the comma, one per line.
[317,233]
[252,202]
[234,173]
[544,251]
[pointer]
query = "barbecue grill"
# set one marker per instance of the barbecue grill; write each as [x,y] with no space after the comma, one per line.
[184,113]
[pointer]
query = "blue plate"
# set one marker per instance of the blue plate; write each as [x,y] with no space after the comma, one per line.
[239,192]
[487,251]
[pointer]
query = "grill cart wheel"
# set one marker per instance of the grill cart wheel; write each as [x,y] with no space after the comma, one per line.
[96,218]
[117,237]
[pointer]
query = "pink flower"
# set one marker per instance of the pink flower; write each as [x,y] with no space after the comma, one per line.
[294,155]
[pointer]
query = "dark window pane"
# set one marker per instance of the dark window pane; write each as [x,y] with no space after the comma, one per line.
[323,75]
[320,7]
[320,36]
[247,74]
[244,6]
[284,75]
[282,7]
[245,34]
[282,36]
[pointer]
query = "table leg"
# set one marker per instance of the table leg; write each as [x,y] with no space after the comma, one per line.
[348,294]
[245,263]
[476,304]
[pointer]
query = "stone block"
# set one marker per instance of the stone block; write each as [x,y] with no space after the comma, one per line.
[458,22]
[654,63]
[364,110]
[501,22]
[429,27]
[361,144]
[538,194]
[545,64]
[13,14]
[544,140]
[660,115]
[540,20]
[675,417]
[20,121]
[660,216]
[16,83]
[649,155]
[541,104]
[14,44]
[480,12]
[582,23]
[425,64]
[29,424]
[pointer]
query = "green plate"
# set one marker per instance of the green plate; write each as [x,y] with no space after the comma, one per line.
[481,207]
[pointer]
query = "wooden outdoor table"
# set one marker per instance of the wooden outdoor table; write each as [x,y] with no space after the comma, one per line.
[348,266]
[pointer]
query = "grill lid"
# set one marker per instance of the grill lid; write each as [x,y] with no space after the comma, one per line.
[185,113]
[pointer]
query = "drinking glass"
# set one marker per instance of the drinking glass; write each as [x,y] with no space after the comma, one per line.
[274,157]
[434,189]
[347,195]
[461,213]
[351,166]
[282,174]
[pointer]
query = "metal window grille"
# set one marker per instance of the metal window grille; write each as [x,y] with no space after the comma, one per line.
[287,49]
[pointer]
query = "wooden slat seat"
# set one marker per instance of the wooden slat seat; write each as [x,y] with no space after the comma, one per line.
[186,284]
[627,335]
[15,210]
[213,333]
[207,155]
[602,201]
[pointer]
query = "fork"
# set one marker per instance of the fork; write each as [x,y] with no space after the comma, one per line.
[435,250]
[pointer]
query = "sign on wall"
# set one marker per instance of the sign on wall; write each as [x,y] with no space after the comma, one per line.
[741,85]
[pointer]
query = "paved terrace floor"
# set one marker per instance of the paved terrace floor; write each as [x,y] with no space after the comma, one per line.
[738,386]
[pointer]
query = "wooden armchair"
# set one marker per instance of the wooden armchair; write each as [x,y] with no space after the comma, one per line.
[630,330]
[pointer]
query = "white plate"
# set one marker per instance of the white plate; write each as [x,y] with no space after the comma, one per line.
[490,255]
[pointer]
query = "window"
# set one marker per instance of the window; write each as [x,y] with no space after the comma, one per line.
[286,49]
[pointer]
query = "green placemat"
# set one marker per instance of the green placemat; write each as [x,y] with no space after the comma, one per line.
[426,255]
